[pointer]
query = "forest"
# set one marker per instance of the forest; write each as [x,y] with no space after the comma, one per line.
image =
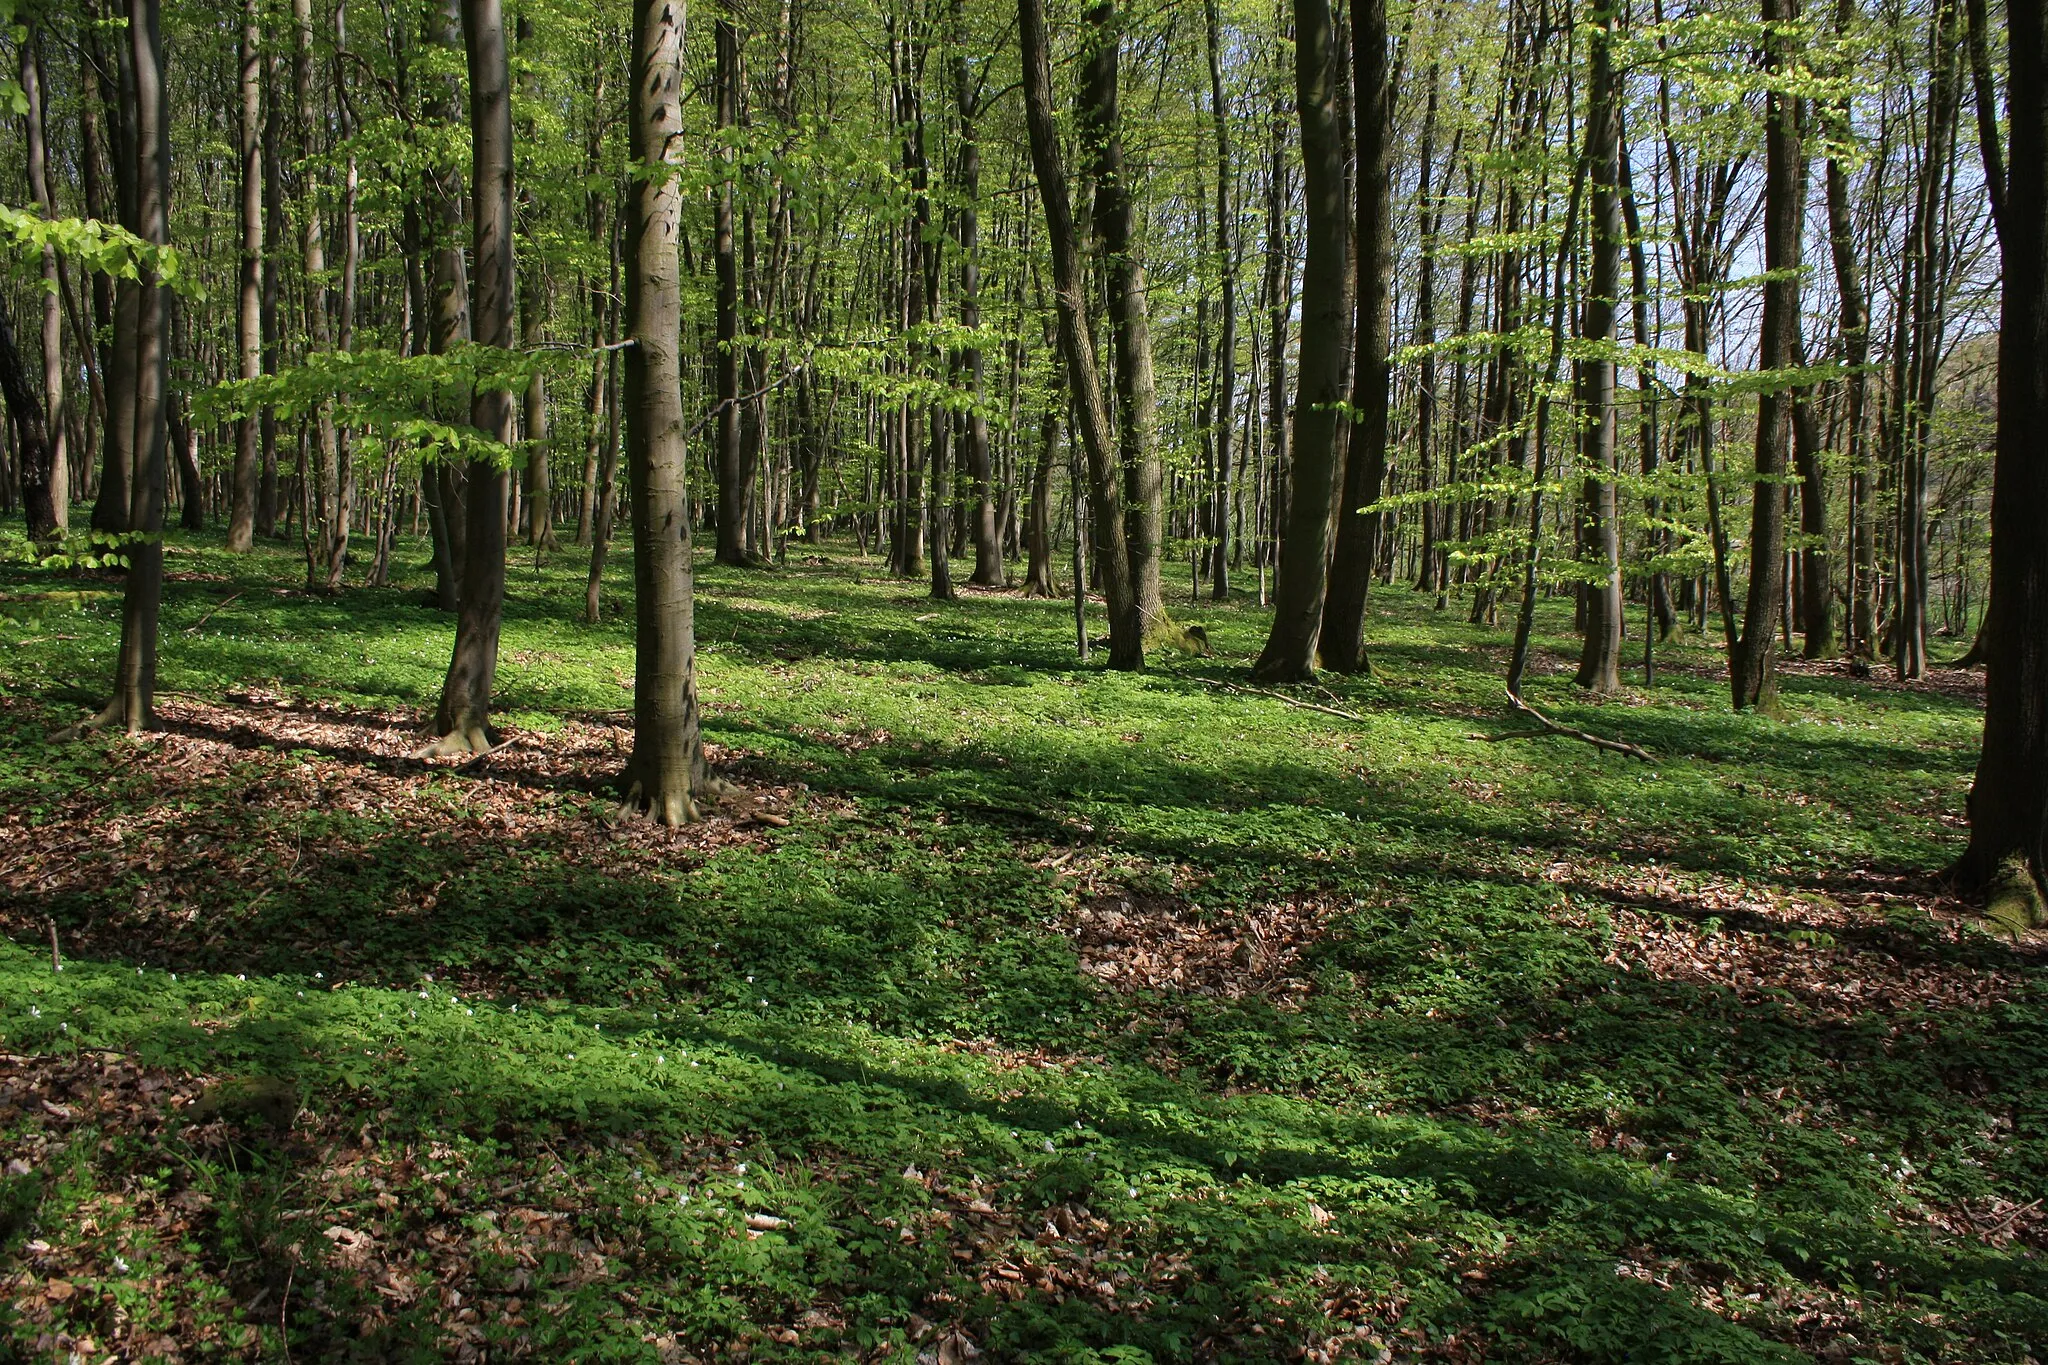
[1034,680]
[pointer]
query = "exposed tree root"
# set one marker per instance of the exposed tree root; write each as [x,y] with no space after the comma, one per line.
[107,715]
[468,742]
[1551,727]
[2013,899]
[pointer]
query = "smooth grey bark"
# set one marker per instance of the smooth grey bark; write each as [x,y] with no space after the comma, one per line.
[734,470]
[56,478]
[666,772]
[989,570]
[1600,652]
[1362,465]
[247,469]
[1290,650]
[147,173]
[1226,354]
[445,484]
[464,713]
[321,527]
[1751,664]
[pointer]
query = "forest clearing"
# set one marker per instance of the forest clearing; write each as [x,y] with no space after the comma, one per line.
[1024,680]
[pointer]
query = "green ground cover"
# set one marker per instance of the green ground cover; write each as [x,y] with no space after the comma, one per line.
[1015,1007]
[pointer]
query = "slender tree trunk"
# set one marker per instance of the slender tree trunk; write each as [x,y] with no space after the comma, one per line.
[1600,656]
[1279,291]
[323,498]
[56,478]
[1430,210]
[249,300]
[267,495]
[149,172]
[466,694]
[1226,354]
[1853,322]
[1077,345]
[1038,579]
[1290,648]
[989,570]
[445,485]
[31,436]
[1816,595]
[1116,232]
[666,772]
[732,462]
[1751,664]
[1364,462]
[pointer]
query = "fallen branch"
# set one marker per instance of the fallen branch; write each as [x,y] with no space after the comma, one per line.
[1551,727]
[475,759]
[1283,697]
[210,611]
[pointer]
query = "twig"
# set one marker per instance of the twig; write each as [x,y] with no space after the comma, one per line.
[210,611]
[284,1330]
[56,962]
[1283,697]
[1551,727]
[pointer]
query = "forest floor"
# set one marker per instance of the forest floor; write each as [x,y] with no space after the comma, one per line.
[1011,1008]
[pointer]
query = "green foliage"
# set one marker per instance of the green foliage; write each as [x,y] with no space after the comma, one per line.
[102,247]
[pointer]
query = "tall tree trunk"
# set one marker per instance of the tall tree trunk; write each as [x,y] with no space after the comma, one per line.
[1290,648]
[666,772]
[1278,287]
[56,477]
[1226,354]
[445,485]
[2009,799]
[540,490]
[1364,463]
[1751,664]
[267,495]
[1077,346]
[1123,287]
[149,182]
[323,501]
[249,300]
[466,693]
[989,570]
[733,469]
[1853,323]
[1600,655]
[111,508]
[1920,361]
[1429,211]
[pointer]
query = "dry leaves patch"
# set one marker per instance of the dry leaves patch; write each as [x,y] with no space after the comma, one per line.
[213,814]
[1845,959]
[1137,941]
[369,1235]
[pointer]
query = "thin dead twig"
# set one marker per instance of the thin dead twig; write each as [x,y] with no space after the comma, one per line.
[1283,697]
